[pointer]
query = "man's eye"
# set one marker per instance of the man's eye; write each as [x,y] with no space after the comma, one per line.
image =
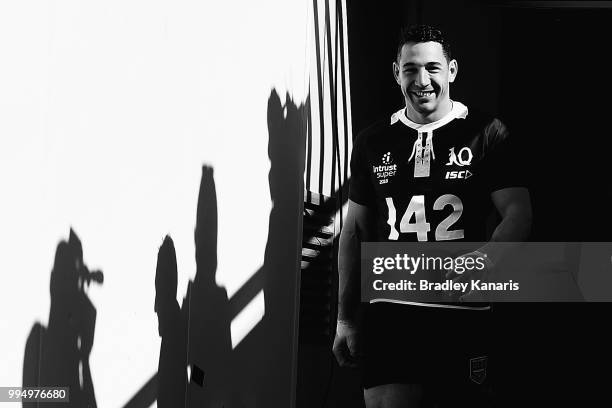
[409,71]
[433,70]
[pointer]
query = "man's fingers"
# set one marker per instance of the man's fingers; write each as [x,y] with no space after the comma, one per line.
[342,354]
[474,296]
[455,276]
[339,357]
[467,297]
[464,277]
[347,352]
[354,348]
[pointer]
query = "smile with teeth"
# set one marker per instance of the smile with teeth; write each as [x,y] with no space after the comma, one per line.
[423,93]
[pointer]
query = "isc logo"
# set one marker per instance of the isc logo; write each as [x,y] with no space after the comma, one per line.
[463,174]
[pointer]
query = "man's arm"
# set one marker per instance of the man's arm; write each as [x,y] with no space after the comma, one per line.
[357,228]
[514,206]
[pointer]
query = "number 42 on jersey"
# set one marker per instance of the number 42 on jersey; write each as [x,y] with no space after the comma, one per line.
[420,226]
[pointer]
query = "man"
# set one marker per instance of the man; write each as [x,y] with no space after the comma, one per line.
[430,173]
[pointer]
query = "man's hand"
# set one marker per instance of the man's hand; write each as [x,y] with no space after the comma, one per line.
[358,227]
[480,269]
[347,347]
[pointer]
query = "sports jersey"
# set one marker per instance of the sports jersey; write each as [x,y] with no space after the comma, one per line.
[432,182]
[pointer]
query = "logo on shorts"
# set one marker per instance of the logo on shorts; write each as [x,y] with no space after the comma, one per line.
[463,158]
[478,369]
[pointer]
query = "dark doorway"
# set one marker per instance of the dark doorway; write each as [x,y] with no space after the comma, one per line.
[555,95]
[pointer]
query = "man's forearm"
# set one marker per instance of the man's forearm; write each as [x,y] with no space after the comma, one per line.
[348,275]
[512,228]
[358,228]
[514,205]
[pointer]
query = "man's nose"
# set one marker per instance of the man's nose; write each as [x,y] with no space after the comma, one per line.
[422,79]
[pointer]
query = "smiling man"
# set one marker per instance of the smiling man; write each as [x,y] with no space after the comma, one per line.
[402,188]
[424,71]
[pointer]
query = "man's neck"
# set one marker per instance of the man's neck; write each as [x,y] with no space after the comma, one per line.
[417,117]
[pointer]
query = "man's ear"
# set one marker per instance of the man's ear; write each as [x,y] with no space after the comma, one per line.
[453,68]
[396,70]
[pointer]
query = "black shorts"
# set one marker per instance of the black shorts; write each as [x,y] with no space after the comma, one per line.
[426,345]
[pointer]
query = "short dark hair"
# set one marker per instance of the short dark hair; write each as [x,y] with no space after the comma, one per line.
[423,33]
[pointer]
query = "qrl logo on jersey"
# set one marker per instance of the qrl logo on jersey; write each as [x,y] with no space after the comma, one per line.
[463,158]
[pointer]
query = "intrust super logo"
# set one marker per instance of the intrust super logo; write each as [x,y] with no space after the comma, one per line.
[386,169]
[386,158]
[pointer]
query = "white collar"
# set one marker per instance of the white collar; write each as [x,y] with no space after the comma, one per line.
[458,111]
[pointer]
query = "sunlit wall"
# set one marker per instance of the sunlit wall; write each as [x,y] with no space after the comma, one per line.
[108,111]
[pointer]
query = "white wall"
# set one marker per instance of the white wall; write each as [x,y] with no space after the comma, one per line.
[108,110]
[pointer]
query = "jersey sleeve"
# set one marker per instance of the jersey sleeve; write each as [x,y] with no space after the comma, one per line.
[504,166]
[361,190]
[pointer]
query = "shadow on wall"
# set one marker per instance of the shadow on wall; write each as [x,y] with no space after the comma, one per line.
[207,310]
[58,355]
[260,370]
[172,374]
[266,358]
[195,336]
[287,154]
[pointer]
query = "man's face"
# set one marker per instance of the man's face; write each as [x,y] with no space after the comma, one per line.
[424,74]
